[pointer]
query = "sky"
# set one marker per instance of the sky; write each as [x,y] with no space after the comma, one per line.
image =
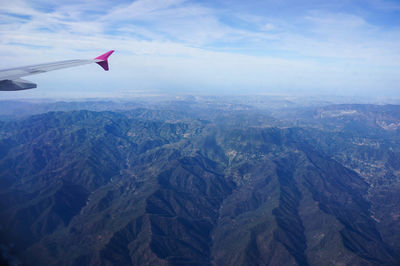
[302,47]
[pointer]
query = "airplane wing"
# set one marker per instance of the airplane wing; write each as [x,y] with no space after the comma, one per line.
[10,79]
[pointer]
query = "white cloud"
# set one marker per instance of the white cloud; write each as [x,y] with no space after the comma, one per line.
[174,43]
[268,27]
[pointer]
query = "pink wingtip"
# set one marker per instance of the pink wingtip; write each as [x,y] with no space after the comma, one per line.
[104,56]
[101,60]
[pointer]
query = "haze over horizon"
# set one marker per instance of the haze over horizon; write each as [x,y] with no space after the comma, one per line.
[206,47]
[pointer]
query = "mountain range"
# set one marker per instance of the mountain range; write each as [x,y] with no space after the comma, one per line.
[189,182]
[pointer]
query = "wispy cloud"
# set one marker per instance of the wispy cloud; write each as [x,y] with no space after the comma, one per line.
[212,44]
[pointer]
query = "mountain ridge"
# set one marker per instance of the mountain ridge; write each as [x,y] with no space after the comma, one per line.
[169,192]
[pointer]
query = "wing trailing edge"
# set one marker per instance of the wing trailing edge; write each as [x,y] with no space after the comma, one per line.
[16,85]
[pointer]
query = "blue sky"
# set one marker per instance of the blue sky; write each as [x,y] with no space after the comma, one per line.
[343,47]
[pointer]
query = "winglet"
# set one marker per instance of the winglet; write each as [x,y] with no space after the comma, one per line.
[101,60]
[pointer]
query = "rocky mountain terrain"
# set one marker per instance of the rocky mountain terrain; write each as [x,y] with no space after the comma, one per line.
[201,183]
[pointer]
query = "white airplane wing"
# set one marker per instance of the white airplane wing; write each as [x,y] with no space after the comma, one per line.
[10,79]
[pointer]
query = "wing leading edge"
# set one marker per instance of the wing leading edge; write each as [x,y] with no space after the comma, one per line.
[10,79]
